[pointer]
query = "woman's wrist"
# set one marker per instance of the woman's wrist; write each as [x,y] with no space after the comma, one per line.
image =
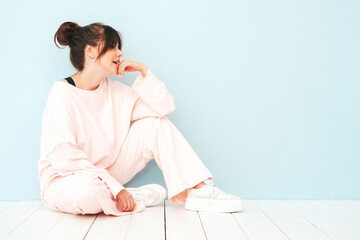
[144,70]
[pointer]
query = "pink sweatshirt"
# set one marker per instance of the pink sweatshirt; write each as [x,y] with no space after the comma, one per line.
[84,130]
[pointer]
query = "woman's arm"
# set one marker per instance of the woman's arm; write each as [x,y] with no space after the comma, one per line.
[152,97]
[59,146]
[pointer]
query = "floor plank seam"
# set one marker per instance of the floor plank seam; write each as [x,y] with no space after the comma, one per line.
[316,226]
[26,218]
[237,222]
[164,219]
[128,225]
[12,204]
[61,216]
[202,225]
[286,235]
[91,226]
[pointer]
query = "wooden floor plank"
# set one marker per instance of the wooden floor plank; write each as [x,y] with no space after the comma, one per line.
[291,223]
[148,224]
[260,219]
[13,216]
[256,225]
[109,227]
[221,226]
[4,205]
[182,224]
[71,226]
[334,218]
[36,226]
[355,204]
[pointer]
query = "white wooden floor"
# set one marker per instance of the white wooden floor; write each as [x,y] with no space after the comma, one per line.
[260,219]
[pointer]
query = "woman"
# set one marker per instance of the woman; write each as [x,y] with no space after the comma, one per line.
[98,133]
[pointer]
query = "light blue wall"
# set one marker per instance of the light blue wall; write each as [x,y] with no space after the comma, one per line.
[267,92]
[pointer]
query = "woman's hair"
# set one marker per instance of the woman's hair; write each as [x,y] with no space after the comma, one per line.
[77,37]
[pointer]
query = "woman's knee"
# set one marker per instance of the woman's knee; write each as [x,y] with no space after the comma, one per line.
[79,193]
[87,201]
[90,190]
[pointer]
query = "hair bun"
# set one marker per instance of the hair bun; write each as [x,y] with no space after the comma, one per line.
[65,32]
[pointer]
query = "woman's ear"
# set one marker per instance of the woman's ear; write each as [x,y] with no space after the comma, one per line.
[90,52]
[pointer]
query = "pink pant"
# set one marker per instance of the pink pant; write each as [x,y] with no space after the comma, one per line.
[148,138]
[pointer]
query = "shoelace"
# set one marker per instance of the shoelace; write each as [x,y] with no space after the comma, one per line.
[139,196]
[214,188]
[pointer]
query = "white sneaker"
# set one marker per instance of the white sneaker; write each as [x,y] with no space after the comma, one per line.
[150,194]
[210,198]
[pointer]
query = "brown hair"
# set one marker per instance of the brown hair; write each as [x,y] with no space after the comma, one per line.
[77,37]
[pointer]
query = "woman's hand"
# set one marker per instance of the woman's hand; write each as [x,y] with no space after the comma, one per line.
[125,201]
[127,65]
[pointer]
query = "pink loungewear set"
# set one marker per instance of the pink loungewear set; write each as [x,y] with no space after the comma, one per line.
[94,142]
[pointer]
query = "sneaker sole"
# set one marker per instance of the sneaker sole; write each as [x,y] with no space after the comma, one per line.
[159,188]
[194,204]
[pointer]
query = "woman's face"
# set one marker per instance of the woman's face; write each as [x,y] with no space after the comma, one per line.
[106,62]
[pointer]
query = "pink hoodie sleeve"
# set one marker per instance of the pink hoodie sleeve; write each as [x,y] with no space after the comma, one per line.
[59,146]
[153,98]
